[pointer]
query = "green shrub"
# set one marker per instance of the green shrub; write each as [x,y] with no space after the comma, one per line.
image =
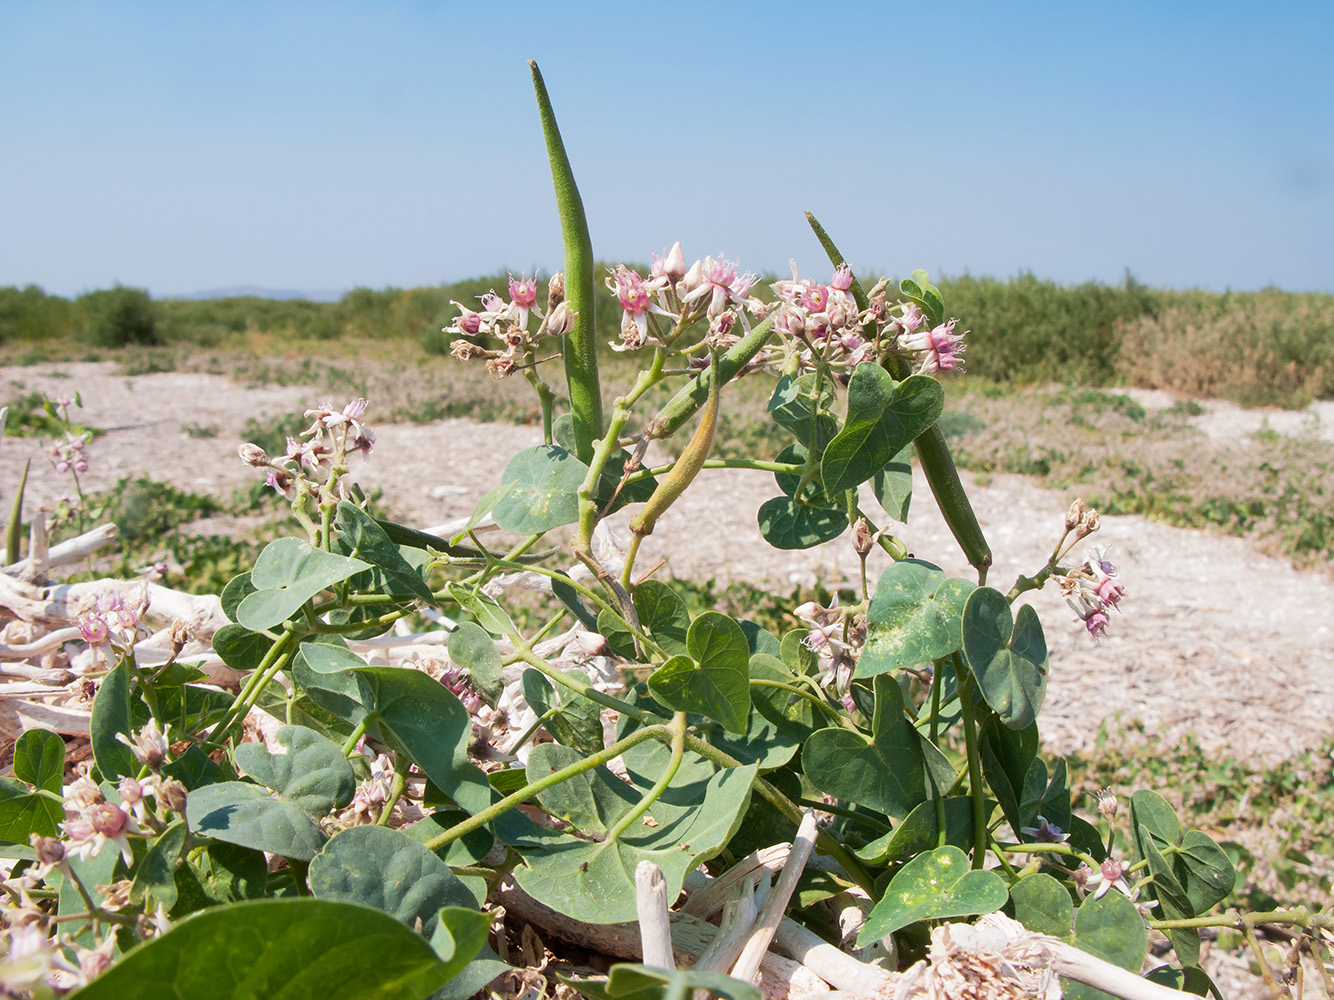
[119,317]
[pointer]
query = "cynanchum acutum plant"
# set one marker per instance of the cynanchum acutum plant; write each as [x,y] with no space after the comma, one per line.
[352,851]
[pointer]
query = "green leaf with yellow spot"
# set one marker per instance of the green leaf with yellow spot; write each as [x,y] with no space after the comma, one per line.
[933,886]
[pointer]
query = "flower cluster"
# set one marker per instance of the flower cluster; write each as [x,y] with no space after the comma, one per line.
[508,322]
[114,622]
[318,453]
[1091,591]
[67,454]
[836,636]
[935,349]
[823,320]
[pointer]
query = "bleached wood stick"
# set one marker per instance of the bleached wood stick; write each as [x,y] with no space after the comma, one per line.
[38,548]
[734,929]
[67,721]
[655,932]
[437,637]
[47,643]
[780,978]
[841,970]
[712,894]
[1069,961]
[776,905]
[72,549]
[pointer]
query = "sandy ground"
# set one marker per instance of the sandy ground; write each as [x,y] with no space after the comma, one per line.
[1215,638]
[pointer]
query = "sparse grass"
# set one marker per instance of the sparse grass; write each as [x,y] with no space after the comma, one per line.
[1275,822]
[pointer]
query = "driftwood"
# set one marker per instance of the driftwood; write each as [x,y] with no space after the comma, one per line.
[71,550]
[655,932]
[762,935]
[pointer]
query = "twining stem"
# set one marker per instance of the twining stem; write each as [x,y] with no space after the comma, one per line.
[1061,849]
[976,790]
[395,793]
[820,703]
[580,344]
[677,727]
[255,680]
[694,394]
[577,683]
[760,465]
[497,809]
[350,744]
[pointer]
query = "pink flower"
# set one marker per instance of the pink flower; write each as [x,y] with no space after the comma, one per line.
[671,265]
[1045,832]
[842,279]
[719,281]
[93,629]
[937,349]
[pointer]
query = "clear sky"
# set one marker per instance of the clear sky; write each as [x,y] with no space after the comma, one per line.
[189,146]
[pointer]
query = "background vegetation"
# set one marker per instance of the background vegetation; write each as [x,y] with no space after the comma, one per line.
[1266,347]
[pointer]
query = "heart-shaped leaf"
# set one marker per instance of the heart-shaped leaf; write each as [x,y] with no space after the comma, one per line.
[788,524]
[1109,927]
[362,538]
[1173,904]
[883,418]
[240,648]
[277,949]
[933,886]
[1204,871]
[543,492]
[1043,905]
[1007,757]
[1008,656]
[593,879]
[915,616]
[314,775]
[287,574]
[920,831]
[886,772]
[662,615]
[713,680]
[892,485]
[39,759]
[111,715]
[250,816]
[24,813]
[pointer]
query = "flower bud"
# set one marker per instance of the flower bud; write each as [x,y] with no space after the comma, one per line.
[862,539]
[561,319]
[171,794]
[1107,803]
[1075,514]
[180,634]
[49,850]
[253,455]
[555,290]
[1089,523]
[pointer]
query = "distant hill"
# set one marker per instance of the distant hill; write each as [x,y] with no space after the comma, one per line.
[255,292]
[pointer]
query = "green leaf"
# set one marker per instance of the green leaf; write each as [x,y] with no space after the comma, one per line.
[915,616]
[39,759]
[1173,904]
[1191,980]
[1204,870]
[248,815]
[593,880]
[544,488]
[793,715]
[288,573]
[640,982]
[1111,928]
[277,949]
[1043,905]
[883,419]
[237,590]
[490,615]
[1008,656]
[363,538]
[240,648]
[389,870]
[933,886]
[154,875]
[23,813]
[1007,757]
[662,615]
[919,290]
[1150,813]
[111,715]
[787,524]
[919,831]
[314,775]
[792,408]
[713,679]
[472,648]
[886,772]
[892,485]
[224,873]
[459,941]
[577,722]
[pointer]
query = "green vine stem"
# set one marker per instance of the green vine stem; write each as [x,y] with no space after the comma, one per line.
[976,789]
[932,451]
[677,728]
[580,344]
[498,809]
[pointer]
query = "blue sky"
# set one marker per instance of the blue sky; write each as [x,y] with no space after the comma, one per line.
[181,147]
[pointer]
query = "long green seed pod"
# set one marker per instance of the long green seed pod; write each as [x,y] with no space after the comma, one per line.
[690,398]
[14,532]
[579,345]
[688,465]
[932,451]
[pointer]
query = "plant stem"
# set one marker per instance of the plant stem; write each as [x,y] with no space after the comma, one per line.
[677,727]
[976,790]
[350,744]
[256,678]
[760,465]
[479,820]
[395,793]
